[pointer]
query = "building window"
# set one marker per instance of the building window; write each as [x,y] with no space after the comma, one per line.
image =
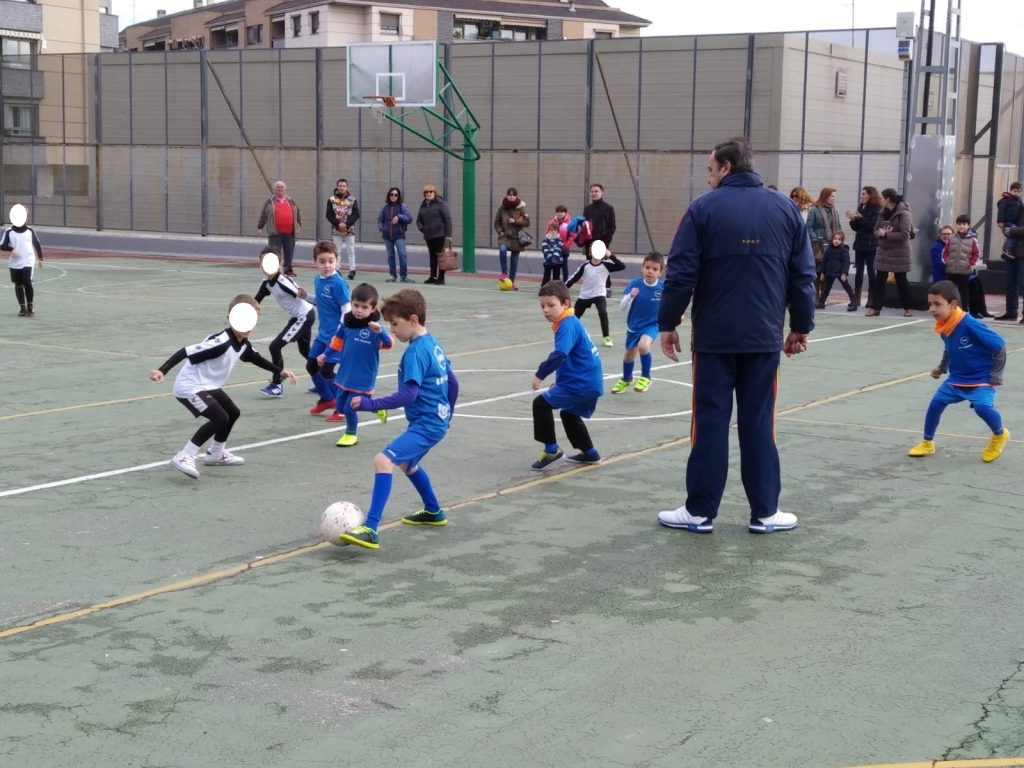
[599,35]
[296,25]
[224,38]
[276,32]
[314,22]
[486,29]
[391,23]
[254,34]
[17,53]
[19,119]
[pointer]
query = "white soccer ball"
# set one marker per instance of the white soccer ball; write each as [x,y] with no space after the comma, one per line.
[341,517]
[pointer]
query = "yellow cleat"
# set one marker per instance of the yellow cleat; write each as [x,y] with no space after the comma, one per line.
[347,440]
[924,448]
[383,416]
[995,446]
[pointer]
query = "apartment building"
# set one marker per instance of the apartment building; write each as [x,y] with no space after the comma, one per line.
[323,23]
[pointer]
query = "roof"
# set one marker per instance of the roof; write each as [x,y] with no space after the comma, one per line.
[586,10]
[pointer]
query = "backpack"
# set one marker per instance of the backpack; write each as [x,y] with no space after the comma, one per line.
[584,232]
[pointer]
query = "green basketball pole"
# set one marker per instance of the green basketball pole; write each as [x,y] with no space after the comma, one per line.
[468,210]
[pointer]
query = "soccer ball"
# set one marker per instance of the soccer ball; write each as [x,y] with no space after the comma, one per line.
[341,517]
[505,285]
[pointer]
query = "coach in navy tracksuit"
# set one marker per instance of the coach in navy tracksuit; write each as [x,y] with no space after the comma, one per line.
[742,253]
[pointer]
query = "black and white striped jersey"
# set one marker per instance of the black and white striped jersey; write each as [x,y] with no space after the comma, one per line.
[209,362]
[286,291]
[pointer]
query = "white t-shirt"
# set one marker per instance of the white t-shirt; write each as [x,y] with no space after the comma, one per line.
[25,244]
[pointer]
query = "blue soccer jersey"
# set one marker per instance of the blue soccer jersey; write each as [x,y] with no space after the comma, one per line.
[580,373]
[425,363]
[332,301]
[643,312]
[360,358]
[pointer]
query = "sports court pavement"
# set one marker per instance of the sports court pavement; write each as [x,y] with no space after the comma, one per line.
[151,620]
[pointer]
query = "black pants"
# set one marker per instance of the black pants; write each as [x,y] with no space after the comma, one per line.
[220,411]
[976,290]
[544,426]
[864,261]
[284,245]
[601,303]
[23,290]
[826,289]
[435,245]
[553,272]
[961,283]
[878,290]
[298,330]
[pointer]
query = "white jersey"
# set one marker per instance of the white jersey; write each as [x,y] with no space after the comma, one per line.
[593,277]
[209,363]
[25,245]
[286,292]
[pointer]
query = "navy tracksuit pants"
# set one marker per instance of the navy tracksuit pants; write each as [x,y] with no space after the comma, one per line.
[754,378]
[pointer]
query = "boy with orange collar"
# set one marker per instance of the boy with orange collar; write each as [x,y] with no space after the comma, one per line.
[974,357]
[580,381]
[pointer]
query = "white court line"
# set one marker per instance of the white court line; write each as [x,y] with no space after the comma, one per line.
[61,276]
[316,433]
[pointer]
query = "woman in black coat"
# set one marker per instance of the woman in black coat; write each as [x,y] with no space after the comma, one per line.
[863,221]
[435,222]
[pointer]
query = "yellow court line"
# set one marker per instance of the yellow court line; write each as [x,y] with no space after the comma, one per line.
[982,763]
[34,345]
[875,428]
[141,398]
[208,578]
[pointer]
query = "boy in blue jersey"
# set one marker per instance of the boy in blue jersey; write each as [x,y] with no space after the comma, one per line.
[578,385]
[974,357]
[332,300]
[641,300]
[356,348]
[428,390]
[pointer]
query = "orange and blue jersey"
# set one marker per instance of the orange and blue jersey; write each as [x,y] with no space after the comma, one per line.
[357,351]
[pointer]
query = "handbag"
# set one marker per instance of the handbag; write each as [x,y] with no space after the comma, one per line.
[447,259]
[525,238]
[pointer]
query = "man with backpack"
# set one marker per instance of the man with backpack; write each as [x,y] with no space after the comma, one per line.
[602,223]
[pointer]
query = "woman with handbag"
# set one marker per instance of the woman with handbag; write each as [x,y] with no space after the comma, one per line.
[894,233]
[435,222]
[511,222]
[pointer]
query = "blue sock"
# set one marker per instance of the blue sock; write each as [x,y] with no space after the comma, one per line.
[645,365]
[351,416]
[627,370]
[931,418]
[323,387]
[421,482]
[381,492]
[991,417]
[551,448]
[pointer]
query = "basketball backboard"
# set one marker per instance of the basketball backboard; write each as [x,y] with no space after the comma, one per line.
[406,72]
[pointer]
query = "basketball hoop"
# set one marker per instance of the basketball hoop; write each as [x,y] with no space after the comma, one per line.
[379,104]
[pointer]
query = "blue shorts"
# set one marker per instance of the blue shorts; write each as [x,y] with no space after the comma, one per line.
[948,394]
[561,400]
[633,337]
[319,347]
[409,448]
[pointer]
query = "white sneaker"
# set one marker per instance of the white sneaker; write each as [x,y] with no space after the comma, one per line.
[224,459]
[186,465]
[680,518]
[780,521]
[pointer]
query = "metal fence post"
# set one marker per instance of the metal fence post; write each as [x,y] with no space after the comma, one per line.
[204,140]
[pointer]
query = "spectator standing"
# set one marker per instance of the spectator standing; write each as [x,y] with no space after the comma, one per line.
[602,218]
[435,223]
[342,214]
[392,221]
[282,220]
[863,222]
[510,220]
[893,257]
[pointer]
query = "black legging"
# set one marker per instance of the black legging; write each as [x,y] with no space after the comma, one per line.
[864,261]
[878,289]
[435,245]
[221,414]
[544,426]
[23,290]
[299,332]
[601,303]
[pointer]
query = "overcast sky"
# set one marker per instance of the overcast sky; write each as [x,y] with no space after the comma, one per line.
[984,21]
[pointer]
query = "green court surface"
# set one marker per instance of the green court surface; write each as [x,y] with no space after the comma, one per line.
[147,619]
